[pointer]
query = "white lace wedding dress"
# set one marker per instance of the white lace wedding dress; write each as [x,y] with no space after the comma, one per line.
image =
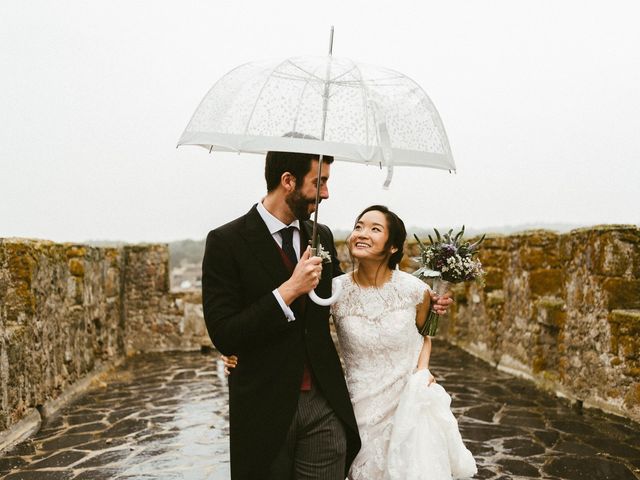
[407,429]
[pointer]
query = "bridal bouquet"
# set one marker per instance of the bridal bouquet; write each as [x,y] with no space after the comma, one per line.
[448,259]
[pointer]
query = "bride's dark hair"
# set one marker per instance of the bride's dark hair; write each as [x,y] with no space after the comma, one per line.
[397,233]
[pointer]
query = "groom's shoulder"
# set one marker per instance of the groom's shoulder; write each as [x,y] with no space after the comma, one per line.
[233,227]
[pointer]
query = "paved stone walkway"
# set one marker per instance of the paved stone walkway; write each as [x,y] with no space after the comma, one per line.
[164,416]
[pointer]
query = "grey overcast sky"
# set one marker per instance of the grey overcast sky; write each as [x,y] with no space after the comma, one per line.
[540,100]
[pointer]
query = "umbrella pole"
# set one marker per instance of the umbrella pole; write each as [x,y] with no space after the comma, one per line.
[325,102]
[314,235]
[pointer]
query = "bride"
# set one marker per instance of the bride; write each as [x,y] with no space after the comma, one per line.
[405,424]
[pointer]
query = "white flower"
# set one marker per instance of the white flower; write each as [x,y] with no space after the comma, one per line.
[323,254]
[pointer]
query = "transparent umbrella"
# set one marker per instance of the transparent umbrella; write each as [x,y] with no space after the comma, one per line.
[326,106]
[354,112]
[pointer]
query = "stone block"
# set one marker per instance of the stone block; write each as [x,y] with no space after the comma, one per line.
[632,372]
[632,397]
[493,279]
[629,347]
[614,258]
[546,282]
[495,298]
[621,293]
[76,267]
[551,312]
[76,251]
[539,249]
[492,256]
[627,322]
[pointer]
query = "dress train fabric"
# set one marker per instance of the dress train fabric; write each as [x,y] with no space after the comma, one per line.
[425,441]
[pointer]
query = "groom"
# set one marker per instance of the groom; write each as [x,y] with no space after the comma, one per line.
[289,409]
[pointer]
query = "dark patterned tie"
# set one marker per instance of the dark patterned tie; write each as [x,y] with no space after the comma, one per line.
[287,244]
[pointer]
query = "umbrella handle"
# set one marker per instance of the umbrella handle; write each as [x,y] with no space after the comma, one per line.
[325,302]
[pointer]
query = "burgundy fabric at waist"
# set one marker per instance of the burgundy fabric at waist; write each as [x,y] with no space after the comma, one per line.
[301,302]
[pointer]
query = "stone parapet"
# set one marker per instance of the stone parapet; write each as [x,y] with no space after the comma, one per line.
[69,310]
[561,310]
[60,317]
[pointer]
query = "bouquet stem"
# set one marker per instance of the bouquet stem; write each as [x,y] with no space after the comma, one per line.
[440,287]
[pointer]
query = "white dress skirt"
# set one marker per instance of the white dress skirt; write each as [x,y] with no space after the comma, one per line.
[407,429]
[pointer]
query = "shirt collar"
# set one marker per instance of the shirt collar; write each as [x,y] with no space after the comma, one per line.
[274,224]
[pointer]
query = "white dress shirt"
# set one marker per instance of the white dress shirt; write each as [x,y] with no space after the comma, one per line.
[275,225]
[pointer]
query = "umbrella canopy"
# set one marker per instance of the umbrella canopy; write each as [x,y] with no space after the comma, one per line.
[322,105]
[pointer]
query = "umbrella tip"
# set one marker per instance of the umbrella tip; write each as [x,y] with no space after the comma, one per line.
[331,41]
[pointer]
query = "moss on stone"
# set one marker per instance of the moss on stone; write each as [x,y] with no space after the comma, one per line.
[76,251]
[538,364]
[76,267]
[493,279]
[622,293]
[495,298]
[632,397]
[545,282]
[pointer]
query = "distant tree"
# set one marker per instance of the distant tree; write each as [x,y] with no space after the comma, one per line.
[185,251]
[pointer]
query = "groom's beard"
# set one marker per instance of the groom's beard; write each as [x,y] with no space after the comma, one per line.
[299,205]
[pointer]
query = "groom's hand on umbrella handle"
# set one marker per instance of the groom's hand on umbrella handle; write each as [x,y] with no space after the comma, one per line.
[305,277]
[440,303]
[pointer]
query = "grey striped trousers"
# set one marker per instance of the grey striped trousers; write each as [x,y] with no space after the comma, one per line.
[316,443]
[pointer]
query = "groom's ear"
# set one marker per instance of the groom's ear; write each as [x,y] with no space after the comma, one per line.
[288,181]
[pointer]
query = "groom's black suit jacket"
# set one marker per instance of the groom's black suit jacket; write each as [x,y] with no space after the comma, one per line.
[241,268]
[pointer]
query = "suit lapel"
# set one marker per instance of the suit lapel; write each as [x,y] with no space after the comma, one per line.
[262,247]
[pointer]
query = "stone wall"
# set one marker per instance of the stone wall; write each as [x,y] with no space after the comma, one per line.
[562,310]
[156,318]
[68,310]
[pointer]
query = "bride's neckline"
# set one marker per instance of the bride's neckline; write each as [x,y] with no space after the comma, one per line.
[373,287]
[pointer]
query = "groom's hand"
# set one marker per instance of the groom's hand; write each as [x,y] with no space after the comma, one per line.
[305,277]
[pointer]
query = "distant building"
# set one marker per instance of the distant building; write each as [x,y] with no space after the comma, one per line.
[187,276]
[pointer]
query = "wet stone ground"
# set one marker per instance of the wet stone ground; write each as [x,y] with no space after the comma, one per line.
[164,416]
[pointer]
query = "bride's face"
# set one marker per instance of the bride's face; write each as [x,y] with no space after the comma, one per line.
[369,237]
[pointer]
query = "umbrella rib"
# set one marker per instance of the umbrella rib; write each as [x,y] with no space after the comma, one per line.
[365,94]
[264,85]
[320,80]
[295,119]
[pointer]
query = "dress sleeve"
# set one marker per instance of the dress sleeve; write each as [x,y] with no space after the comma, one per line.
[413,288]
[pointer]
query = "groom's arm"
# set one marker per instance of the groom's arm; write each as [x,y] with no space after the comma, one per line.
[232,323]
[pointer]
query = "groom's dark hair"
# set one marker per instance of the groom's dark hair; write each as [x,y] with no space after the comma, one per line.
[297,164]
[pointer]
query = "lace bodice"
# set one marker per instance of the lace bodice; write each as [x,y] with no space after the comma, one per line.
[380,346]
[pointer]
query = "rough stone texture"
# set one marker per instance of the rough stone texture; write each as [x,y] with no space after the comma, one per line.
[563,310]
[68,309]
[60,319]
[157,319]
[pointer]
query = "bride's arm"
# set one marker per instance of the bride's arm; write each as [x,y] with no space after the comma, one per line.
[425,352]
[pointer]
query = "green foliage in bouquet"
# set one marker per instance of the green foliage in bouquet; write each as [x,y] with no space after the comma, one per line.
[450,257]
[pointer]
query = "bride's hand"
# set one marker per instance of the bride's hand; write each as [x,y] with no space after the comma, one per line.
[440,303]
[430,379]
[229,362]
